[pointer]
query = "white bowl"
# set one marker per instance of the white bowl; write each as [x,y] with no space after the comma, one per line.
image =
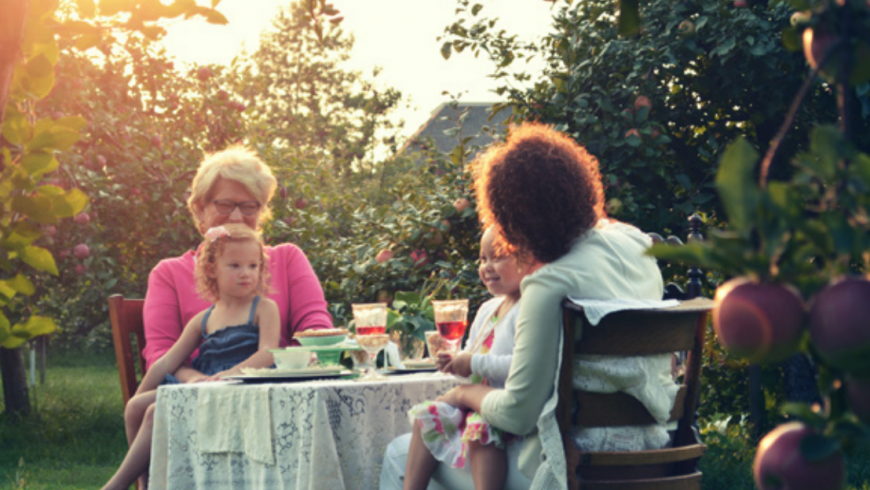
[291,358]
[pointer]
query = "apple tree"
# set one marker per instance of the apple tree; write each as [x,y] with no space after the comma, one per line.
[32,145]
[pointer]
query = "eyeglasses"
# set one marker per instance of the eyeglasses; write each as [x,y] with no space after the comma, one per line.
[225,206]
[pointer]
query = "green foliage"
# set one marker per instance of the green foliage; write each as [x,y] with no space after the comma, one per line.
[676,82]
[304,100]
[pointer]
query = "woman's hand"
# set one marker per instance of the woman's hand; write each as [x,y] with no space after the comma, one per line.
[460,365]
[442,360]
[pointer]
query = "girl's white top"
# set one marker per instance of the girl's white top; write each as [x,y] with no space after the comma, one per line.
[495,365]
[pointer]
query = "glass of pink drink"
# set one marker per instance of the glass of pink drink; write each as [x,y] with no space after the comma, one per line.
[451,319]
[370,320]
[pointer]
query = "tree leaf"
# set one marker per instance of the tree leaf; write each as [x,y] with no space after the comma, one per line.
[39,162]
[87,8]
[38,208]
[34,327]
[212,16]
[735,182]
[20,235]
[629,17]
[38,258]
[22,284]
[446,49]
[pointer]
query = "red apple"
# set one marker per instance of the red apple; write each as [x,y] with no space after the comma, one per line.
[81,251]
[101,160]
[222,95]
[300,203]
[81,269]
[420,257]
[840,325]
[760,322]
[83,218]
[780,465]
[156,141]
[632,132]
[63,254]
[740,4]
[288,221]
[642,101]
[461,204]
[384,255]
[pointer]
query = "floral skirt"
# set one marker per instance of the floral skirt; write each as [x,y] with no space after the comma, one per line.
[448,430]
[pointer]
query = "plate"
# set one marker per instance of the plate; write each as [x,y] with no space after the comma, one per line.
[321,341]
[419,364]
[271,372]
[410,370]
[298,375]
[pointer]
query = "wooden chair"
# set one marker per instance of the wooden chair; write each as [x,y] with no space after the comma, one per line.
[125,316]
[633,333]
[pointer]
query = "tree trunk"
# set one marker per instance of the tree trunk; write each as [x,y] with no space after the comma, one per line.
[12,21]
[14,382]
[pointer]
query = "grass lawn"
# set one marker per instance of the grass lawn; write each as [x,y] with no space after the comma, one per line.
[76,439]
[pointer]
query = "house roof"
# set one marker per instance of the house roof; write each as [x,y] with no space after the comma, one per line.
[446,116]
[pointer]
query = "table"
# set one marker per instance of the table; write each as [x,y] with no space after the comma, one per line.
[323,434]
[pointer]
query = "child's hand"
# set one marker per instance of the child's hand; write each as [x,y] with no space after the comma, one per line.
[460,365]
[442,360]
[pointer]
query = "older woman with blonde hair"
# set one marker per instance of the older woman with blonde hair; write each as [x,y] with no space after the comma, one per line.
[231,186]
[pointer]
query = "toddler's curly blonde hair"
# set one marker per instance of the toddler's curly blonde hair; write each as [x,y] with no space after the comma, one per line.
[213,247]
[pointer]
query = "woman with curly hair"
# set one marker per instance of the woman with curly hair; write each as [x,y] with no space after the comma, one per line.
[542,192]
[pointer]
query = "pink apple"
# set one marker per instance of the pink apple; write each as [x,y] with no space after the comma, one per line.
[81,269]
[384,255]
[461,204]
[632,132]
[760,322]
[49,230]
[83,218]
[101,160]
[300,203]
[81,251]
[839,324]
[642,101]
[156,141]
[779,463]
[204,73]
[63,254]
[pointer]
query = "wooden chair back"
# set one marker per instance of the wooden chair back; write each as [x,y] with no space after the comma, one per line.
[633,333]
[125,315]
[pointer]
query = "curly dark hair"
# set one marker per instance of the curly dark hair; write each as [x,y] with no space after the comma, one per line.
[540,189]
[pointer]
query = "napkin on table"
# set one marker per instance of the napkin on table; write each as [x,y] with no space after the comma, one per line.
[596,309]
[235,419]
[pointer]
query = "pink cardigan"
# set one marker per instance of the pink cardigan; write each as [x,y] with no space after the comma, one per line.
[172,300]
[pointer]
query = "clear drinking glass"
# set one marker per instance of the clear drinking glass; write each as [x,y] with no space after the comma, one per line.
[370,318]
[451,319]
[372,344]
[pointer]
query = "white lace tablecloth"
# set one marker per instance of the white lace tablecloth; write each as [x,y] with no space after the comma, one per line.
[327,434]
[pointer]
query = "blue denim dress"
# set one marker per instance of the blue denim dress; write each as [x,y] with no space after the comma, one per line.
[223,349]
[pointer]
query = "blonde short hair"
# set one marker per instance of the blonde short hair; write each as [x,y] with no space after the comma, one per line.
[238,164]
[211,250]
